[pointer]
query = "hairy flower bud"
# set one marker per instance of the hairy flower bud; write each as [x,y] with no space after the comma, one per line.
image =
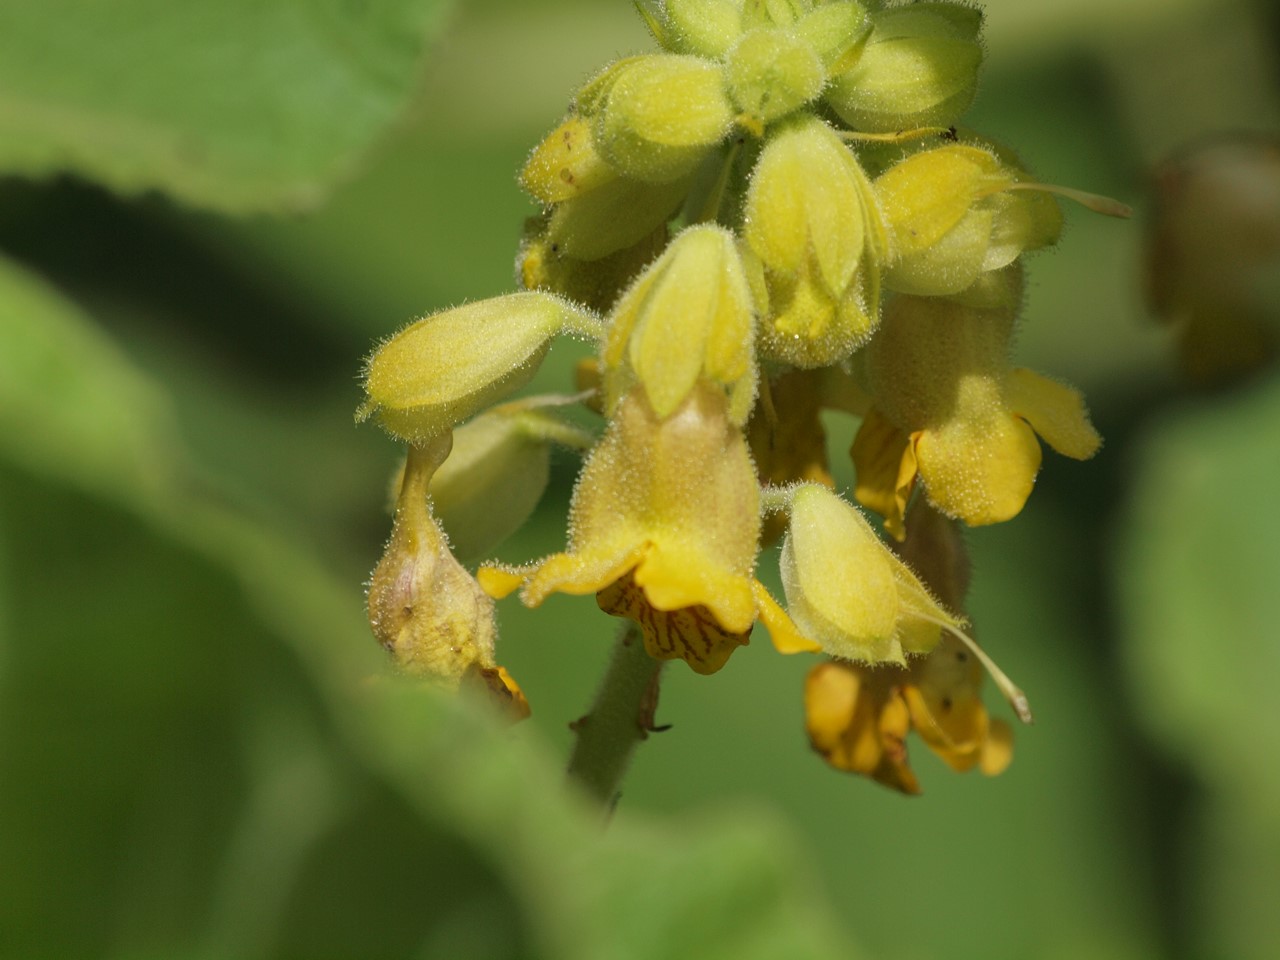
[772,72]
[706,28]
[813,226]
[615,216]
[440,370]
[661,115]
[565,164]
[846,591]
[687,317]
[952,217]
[919,67]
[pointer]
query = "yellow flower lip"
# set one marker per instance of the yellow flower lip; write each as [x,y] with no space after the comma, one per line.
[670,503]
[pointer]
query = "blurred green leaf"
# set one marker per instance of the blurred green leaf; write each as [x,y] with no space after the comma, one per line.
[195,721]
[1197,569]
[234,105]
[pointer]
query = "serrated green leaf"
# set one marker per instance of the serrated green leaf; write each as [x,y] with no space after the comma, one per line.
[234,105]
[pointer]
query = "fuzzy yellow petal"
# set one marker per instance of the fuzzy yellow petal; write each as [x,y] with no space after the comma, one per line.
[580,573]
[1055,411]
[981,470]
[785,635]
[499,582]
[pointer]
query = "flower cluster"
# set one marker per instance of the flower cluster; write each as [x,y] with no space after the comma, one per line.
[771,217]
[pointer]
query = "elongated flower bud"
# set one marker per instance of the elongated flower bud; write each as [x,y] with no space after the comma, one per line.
[440,370]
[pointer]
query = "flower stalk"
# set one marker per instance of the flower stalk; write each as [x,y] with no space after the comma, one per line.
[621,716]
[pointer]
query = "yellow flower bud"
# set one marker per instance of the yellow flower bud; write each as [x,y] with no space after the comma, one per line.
[423,606]
[771,72]
[565,164]
[661,116]
[706,28]
[687,317]
[497,472]
[441,369]
[951,218]
[812,222]
[847,591]
[919,68]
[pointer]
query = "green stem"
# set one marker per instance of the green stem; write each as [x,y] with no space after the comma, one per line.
[620,717]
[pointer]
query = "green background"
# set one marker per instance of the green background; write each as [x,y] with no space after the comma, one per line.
[210,213]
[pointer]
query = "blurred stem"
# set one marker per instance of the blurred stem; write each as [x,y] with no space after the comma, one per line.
[620,717]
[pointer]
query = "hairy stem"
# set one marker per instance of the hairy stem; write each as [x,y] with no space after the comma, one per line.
[620,717]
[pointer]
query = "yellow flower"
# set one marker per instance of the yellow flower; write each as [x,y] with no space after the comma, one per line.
[948,408]
[664,528]
[858,721]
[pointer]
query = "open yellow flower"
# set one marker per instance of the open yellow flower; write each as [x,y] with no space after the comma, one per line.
[948,408]
[664,528]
